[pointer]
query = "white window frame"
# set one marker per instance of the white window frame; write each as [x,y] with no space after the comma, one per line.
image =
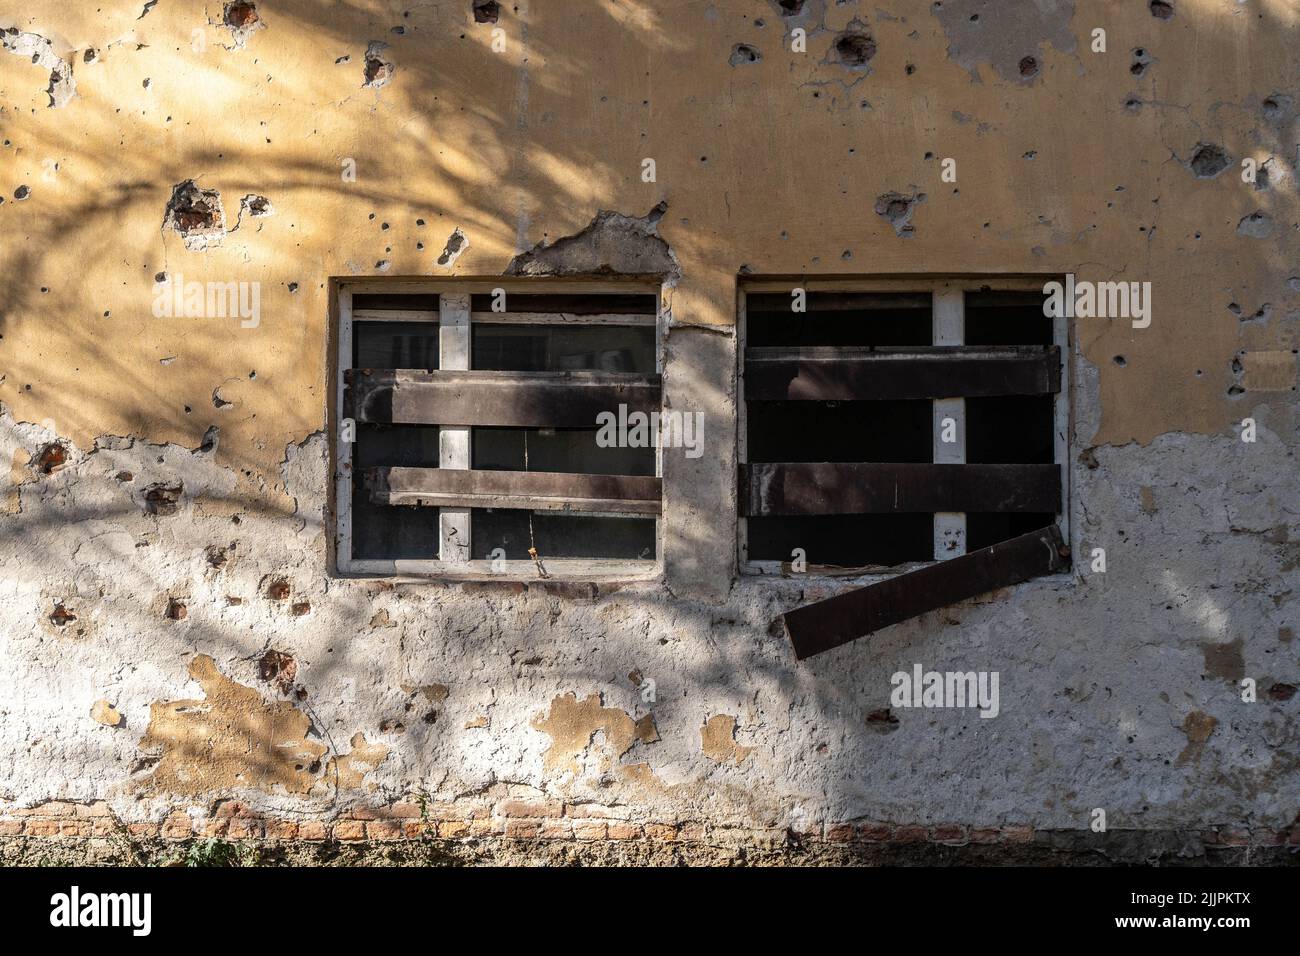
[948,292]
[455,324]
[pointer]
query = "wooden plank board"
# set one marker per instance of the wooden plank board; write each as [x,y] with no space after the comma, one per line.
[508,399]
[819,627]
[529,490]
[829,488]
[849,374]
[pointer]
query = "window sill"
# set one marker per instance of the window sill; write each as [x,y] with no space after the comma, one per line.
[567,570]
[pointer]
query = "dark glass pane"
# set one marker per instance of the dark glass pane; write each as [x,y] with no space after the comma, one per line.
[395,345]
[839,318]
[557,535]
[387,531]
[563,348]
[1013,429]
[570,450]
[896,431]
[1007,318]
[848,541]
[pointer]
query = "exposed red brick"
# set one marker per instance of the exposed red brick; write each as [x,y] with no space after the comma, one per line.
[283,830]
[177,826]
[840,832]
[1019,834]
[42,828]
[415,829]
[910,834]
[661,831]
[589,830]
[11,827]
[147,831]
[312,830]
[349,830]
[556,830]
[948,834]
[453,829]
[623,831]
[692,831]
[244,829]
[875,832]
[1235,837]
[384,830]
[96,809]
[523,829]
[984,835]
[232,808]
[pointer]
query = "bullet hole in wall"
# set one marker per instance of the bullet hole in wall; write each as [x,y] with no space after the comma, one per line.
[194,213]
[378,69]
[279,669]
[51,458]
[743,53]
[161,499]
[176,610]
[1141,60]
[1162,9]
[790,8]
[486,11]
[897,209]
[22,192]
[62,616]
[1029,67]
[1208,160]
[855,49]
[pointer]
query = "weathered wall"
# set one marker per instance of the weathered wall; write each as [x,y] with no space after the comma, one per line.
[166,657]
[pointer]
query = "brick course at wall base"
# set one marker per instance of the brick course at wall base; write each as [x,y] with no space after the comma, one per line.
[517,831]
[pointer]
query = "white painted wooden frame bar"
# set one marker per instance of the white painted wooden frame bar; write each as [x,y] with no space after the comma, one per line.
[949,323]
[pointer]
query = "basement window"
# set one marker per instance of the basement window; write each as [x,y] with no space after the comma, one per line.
[472,409]
[889,425]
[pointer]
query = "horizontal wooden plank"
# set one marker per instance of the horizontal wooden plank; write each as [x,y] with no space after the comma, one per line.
[484,398]
[830,488]
[861,374]
[835,621]
[527,490]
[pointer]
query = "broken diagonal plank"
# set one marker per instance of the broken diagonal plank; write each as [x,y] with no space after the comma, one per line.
[527,490]
[826,624]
